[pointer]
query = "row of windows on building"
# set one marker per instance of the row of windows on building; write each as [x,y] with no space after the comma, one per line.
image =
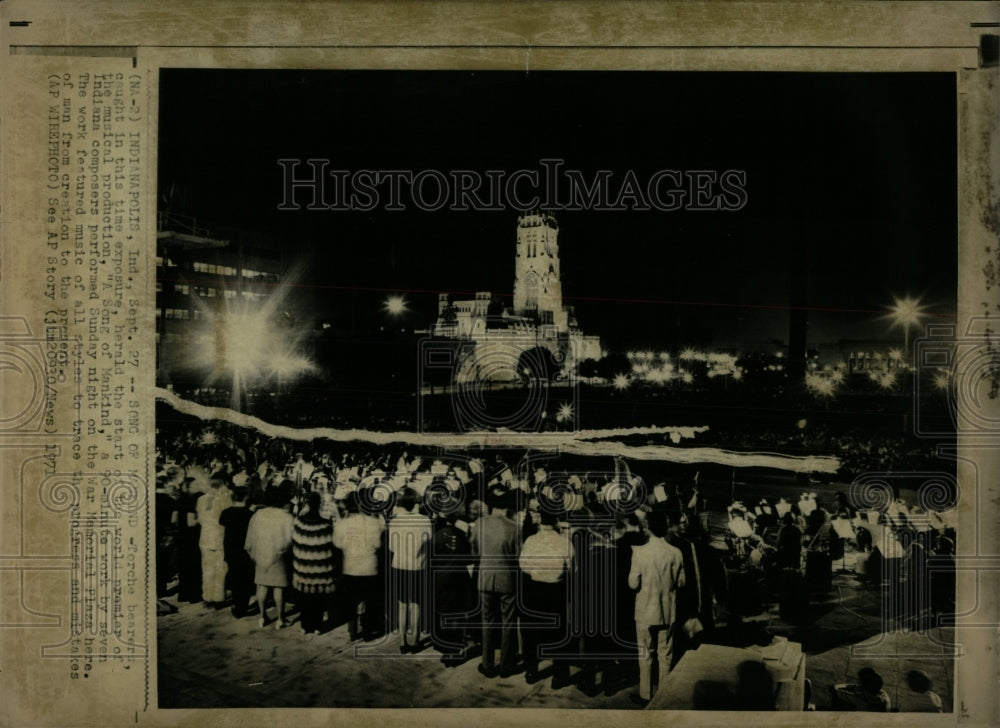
[219,270]
[195,314]
[208,292]
[179,314]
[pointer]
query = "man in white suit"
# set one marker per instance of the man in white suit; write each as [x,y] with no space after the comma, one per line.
[657,572]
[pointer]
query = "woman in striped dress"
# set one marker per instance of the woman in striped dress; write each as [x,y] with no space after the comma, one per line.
[314,562]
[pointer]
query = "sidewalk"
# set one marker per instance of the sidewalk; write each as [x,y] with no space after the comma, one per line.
[209,659]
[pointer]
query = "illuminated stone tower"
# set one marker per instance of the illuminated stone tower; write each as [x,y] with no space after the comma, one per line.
[537,286]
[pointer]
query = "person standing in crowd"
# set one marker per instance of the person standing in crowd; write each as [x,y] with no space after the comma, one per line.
[188,537]
[269,536]
[628,534]
[546,562]
[594,596]
[789,546]
[409,541]
[359,535]
[166,531]
[496,544]
[710,574]
[239,568]
[451,554]
[213,562]
[657,573]
[688,600]
[314,562]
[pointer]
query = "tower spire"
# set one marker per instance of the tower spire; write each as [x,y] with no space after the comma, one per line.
[537,281]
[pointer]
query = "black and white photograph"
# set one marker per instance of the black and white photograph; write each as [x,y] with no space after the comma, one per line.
[556,389]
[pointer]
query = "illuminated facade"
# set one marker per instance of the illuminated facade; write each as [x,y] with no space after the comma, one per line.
[537,319]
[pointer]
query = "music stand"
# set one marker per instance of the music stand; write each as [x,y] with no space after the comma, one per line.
[843,528]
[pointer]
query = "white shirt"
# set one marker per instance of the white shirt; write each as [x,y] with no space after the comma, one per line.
[547,556]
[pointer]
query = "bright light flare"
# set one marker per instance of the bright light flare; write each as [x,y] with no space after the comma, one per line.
[286,365]
[820,385]
[242,342]
[395,305]
[942,380]
[621,381]
[906,311]
[565,412]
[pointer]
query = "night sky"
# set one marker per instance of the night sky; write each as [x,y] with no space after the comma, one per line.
[851,188]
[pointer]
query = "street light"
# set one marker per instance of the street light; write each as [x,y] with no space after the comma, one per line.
[395,305]
[906,312]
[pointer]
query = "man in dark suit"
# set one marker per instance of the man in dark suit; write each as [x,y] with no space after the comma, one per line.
[496,543]
[239,574]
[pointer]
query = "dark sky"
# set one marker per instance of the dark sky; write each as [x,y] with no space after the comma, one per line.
[851,188]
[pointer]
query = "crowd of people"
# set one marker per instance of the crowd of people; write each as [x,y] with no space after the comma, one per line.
[470,558]
[478,557]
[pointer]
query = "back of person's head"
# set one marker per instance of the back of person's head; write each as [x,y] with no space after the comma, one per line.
[547,518]
[919,681]
[407,499]
[787,519]
[497,500]
[274,498]
[313,501]
[871,681]
[658,524]
[351,503]
[240,494]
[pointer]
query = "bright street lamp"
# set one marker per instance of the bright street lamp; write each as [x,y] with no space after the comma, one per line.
[395,305]
[906,312]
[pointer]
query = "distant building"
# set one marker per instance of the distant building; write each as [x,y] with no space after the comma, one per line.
[199,275]
[862,356]
[537,320]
